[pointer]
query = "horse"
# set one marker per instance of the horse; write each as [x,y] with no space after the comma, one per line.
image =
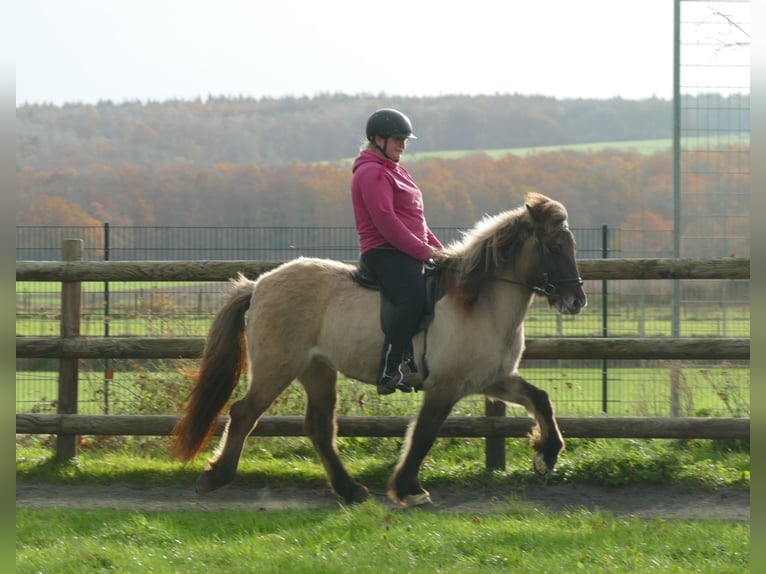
[307,320]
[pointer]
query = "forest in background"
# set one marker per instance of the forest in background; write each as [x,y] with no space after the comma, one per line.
[324,128]
[285,162]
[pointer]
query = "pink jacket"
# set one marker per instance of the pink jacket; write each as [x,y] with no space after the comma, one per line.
[388,207]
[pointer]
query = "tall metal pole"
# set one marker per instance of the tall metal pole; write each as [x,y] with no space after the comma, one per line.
[675,322]
[676,136]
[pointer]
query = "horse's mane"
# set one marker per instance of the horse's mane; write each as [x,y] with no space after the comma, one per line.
[495,243]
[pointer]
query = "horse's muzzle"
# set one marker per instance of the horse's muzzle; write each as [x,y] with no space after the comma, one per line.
[571,304]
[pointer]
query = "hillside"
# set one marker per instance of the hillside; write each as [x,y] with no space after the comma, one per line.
[266,131]
[285,162]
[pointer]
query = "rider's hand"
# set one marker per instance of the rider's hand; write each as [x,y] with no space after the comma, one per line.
[437,256]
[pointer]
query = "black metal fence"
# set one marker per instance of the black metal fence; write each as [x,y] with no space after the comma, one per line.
[616,308]
[129,243]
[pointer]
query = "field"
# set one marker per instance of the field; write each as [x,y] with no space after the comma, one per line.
[611,506]
[645,147]
[374,540]
[639,146]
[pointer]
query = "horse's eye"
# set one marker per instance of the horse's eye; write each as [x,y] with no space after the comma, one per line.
[555,248]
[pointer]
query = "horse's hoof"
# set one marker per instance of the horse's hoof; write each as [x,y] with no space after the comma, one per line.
[205,484]
[356,496]
[540,466]
[422,499]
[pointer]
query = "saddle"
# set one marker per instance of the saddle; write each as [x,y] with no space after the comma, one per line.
[435,290]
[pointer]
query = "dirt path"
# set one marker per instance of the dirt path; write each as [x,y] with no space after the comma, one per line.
[645,501]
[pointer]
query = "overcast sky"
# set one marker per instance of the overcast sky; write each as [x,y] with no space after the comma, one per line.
[91,50]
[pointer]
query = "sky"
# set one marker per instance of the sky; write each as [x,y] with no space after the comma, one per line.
[86,51]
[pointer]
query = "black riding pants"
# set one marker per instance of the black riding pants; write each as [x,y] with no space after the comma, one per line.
[402,282]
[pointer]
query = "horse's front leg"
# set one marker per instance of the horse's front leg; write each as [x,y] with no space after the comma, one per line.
[546,438]
[404,486]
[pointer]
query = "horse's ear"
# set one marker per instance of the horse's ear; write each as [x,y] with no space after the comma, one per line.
[534,204]
[534,210]
[543,210]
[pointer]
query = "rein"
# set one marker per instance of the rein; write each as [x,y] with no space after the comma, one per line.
[548,287]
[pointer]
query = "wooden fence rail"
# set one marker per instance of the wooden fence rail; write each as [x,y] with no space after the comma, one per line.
[386,426]
[616,348]
[691,268]
[70,347]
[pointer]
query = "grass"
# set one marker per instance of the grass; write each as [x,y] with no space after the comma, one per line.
[174,314]
[374,537]
[371,539]
[645,147]
[452,462]
[182,323]
[53,288]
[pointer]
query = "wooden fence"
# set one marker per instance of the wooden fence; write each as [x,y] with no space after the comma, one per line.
[70,347]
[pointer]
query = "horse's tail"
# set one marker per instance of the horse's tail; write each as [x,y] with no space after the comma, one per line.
[223,360]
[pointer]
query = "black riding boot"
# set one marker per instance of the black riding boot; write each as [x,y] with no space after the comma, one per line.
[395,373]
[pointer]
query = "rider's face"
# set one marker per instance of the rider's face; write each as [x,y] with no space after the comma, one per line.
[393,146]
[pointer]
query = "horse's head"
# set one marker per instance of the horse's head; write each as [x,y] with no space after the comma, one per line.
[549,256]
[531,246]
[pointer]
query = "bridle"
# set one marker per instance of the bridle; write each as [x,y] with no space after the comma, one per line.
[548,287]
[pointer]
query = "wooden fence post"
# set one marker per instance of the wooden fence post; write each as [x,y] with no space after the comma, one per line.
[494,447]
[71,301]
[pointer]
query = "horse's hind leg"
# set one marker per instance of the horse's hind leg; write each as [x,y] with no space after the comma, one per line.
[320,425]
[546,438]
[243,416]
[404,486]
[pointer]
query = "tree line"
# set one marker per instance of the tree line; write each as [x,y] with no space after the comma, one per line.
[328,128]
[322,128]
[286,162]
[622,189]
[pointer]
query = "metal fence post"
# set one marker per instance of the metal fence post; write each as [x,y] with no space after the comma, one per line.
[604,320]
[71,302]
[107,370]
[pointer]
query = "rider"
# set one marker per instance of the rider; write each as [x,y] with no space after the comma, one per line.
[394,237]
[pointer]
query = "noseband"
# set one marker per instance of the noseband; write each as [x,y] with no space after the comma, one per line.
[548,287]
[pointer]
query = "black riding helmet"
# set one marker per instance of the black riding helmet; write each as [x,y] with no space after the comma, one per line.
[387,122]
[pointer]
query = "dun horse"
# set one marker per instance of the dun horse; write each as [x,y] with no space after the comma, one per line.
[308,320]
